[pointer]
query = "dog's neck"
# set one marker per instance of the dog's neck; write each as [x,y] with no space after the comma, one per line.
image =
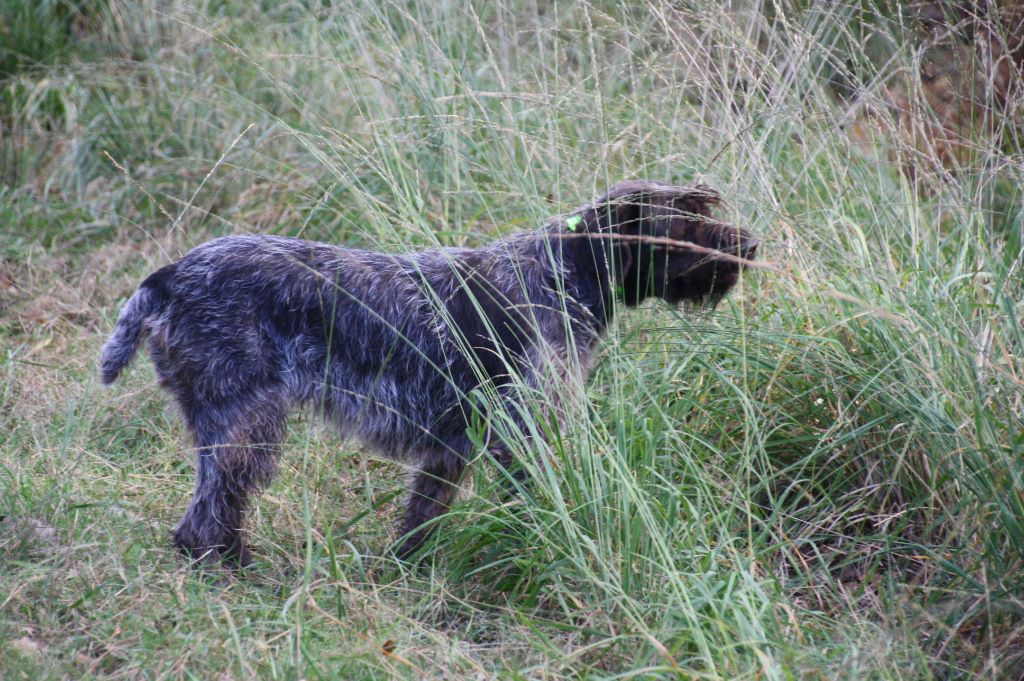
[582,266]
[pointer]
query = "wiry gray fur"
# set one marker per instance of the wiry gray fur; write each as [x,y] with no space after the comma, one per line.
[391,347]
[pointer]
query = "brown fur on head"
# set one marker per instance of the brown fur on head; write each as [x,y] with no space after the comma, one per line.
[653,228]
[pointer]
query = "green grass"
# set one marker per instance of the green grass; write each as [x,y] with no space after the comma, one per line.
[821,479]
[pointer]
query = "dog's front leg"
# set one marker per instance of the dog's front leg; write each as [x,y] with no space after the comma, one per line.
[433,489]
[515,476]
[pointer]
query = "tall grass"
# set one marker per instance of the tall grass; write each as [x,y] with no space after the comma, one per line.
[820,479]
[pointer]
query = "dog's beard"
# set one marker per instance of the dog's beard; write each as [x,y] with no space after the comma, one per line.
[701,289]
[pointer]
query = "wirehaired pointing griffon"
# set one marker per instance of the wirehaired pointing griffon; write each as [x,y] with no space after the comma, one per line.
[391,347]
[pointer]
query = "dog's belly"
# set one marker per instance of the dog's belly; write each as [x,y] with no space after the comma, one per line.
[400,416]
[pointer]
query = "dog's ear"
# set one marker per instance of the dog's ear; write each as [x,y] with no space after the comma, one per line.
[637,206]
[696,201]
[694,205]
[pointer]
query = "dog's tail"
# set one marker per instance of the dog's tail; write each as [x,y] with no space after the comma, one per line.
[149,300]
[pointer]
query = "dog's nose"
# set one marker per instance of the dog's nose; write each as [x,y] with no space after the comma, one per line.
[748,247]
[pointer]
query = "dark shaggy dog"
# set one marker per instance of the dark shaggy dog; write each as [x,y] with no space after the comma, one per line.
[391,347]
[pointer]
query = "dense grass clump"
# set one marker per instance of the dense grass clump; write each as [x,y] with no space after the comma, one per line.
[823,478]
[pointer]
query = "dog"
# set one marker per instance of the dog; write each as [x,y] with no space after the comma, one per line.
[392,348]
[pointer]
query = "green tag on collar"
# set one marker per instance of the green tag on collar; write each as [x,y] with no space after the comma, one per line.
[573,222]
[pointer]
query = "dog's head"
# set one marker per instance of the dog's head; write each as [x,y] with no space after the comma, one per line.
[662,241]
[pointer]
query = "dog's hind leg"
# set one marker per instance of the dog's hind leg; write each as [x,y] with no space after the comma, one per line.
[433,489]
[237,450]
